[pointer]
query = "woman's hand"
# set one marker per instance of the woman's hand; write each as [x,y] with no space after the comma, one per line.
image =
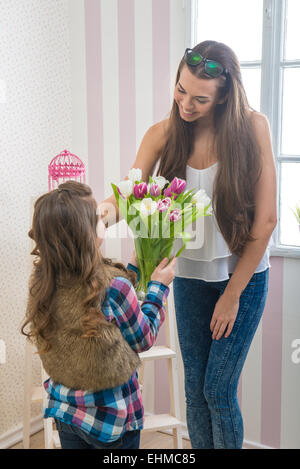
[133,259]
[224,315]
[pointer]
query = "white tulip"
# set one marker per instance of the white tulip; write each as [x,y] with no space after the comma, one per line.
[135,174]
[160,181]
[148,206]
[126,187]
[200,197]
[209,210]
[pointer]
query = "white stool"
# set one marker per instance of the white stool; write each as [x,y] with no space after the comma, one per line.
[36,394]
[170,421]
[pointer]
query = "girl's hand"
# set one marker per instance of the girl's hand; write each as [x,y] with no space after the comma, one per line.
[224,315]
[133,259]
[165,271]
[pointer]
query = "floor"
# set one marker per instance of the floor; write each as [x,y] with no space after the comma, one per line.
[149,440]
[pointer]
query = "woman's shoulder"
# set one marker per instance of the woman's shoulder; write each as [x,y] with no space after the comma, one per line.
[150,149]
[158,133]
[257,118]
[162,126]
[261,126]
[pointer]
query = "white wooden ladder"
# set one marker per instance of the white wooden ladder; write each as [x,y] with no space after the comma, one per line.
[171,420]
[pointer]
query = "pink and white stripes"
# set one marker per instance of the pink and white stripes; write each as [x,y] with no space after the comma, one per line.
[133,48]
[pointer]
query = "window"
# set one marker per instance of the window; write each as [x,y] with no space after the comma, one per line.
[265,35]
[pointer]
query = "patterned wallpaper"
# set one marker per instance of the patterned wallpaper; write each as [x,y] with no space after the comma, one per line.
[36,124]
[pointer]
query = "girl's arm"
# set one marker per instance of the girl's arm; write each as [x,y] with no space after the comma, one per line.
[139,324]
[135,269]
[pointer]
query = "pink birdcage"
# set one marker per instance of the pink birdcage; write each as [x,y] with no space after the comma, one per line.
[63,167]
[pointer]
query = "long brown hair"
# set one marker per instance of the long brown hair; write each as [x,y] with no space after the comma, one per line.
[64,228]
[235,142]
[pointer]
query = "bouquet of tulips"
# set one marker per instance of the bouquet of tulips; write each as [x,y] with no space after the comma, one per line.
[157,213]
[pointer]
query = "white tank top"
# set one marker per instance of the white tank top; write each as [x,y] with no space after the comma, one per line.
[213,261]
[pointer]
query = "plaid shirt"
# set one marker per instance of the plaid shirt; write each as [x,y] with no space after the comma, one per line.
[106,415]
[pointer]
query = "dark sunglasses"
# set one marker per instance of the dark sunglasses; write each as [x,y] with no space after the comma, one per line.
[212,68]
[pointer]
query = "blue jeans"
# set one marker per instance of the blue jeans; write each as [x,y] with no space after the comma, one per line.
[212,367]
[72,437]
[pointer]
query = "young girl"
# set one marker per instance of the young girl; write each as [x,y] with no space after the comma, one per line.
[86,322]
[215,141]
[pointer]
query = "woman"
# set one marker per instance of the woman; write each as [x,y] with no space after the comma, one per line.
[215,141]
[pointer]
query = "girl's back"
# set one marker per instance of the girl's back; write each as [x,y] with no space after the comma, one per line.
[77,362]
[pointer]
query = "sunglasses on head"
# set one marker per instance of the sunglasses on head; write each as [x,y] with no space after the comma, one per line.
[212,68]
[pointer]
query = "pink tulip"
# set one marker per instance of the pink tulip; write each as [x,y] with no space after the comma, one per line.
[154,190]
[175,215]
[167,192]
[164,204]
[176,187]
[140,190]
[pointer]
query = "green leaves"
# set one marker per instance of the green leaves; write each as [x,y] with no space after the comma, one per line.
[154,235]
[186,237]
[296,212]
[122,203]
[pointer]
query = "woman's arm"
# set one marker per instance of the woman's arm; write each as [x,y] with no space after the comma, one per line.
[146,160]
[264,223]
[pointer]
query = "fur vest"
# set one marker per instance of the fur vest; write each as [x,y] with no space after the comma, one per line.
[91,364]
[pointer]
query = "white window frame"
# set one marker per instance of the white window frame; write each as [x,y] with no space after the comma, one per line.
[272,67]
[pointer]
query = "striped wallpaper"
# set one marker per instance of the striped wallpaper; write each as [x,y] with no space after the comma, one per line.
[127,70]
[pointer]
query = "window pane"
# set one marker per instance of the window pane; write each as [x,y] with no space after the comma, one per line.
[251,80]
[292,44]
[290,196]
[290,144]
[236,23]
